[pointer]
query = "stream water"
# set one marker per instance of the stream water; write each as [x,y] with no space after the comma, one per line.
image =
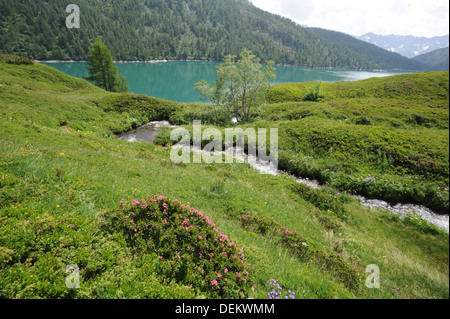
[148,132]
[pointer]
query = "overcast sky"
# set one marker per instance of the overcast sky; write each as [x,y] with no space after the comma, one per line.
[426,18]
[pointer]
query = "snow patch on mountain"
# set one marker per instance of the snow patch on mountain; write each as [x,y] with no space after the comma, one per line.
[408,46]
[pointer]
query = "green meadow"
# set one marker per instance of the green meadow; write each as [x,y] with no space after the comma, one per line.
[71,193]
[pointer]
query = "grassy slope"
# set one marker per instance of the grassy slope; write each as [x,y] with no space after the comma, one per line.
[394,129]
[384,138]
[59,168]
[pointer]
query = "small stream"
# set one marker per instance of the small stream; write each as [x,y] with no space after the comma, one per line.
[145,133]
[148,132]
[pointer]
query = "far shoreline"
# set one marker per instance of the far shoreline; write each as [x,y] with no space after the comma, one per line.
[84,61]
[218,61]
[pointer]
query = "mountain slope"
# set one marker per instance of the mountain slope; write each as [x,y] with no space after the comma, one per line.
[374,54]
[174,29]
[59,171]
[438,59]
[408,46]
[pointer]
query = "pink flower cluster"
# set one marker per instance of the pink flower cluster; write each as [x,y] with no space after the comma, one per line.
[187,221]
[287,232]
[332,253]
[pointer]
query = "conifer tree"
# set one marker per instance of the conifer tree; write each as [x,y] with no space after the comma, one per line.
[101,70]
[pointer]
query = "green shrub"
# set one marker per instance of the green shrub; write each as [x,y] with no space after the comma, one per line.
[284,93]
[422,225]
[163,137]
[153,109]
[301,247]
[191,249]
[7,179]
[328,219]
[207,114]
[314,93]
[324,198]
[300,166]
[13,59]
[394,189]
[259,224]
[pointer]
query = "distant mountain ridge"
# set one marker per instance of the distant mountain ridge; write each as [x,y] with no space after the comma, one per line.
[409,46]
[140,30]
[384,59]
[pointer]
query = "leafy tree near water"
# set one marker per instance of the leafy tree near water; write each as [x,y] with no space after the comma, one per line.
[240,86]
[101,70]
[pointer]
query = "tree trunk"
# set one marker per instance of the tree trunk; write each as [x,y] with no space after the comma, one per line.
[244,105]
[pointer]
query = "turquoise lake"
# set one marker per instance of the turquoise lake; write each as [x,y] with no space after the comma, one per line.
[174,80]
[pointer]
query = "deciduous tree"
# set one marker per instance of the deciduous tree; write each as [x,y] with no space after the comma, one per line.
[240,85]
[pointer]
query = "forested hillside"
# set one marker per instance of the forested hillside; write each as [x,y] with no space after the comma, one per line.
[175,29]
[438,59]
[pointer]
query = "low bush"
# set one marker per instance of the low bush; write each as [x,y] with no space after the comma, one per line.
[394,190]
[206,114]
[190,248]
[285,92]
[328,219]
[140,106]
[324,198]
[13,59]
[301,247]
[314,93]
[422,225]
[378,185]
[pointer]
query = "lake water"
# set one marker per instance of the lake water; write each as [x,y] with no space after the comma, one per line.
[175,80]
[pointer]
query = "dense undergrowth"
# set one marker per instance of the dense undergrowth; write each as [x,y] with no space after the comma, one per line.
[61,168]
